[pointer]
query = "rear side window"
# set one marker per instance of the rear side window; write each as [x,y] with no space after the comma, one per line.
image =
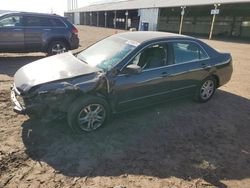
[187,51]
[33,21]
[57,22]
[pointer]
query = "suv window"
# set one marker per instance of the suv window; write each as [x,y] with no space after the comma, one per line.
[11,21]
[33,21]
[187,51]
[57,22]
[152,57]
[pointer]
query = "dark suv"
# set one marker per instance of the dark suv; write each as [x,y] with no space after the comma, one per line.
[34,32]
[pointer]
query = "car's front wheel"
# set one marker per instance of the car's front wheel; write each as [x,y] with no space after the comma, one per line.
[87,114]
[57,47]
[206,90]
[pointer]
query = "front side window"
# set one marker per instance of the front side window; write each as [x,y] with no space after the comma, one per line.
[187,51]
[107,53]
[11,21]
[152,57]
[32,21]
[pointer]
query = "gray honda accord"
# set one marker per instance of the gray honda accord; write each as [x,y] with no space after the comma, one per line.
[122,72]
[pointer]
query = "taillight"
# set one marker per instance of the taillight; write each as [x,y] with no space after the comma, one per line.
[75,31]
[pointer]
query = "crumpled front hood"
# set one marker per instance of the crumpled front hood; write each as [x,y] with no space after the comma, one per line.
[50,69]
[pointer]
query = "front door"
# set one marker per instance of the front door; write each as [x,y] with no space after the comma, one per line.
[148,86]
[11,34]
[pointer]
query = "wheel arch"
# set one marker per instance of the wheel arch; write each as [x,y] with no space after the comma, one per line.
[63,39]
[80,92]
[99,94]
[216,77]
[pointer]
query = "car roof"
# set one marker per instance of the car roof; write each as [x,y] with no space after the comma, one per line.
[144,36]
[6,13]
[30,14]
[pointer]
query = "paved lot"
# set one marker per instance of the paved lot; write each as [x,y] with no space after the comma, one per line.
[177,144]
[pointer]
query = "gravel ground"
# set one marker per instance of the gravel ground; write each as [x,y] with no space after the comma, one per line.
[177,144]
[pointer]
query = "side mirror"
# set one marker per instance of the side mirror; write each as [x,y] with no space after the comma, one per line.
[133,69]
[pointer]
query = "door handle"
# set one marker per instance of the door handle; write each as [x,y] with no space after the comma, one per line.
[18,29]
[47,29]
[205,65]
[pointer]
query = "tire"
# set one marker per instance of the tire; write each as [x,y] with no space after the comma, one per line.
[87,114]
[206,90]
[57,47]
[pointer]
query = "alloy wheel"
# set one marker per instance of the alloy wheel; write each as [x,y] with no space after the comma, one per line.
[91,117]
[58,49]
[207,89]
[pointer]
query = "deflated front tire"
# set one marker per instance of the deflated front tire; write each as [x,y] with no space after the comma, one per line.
[87,114]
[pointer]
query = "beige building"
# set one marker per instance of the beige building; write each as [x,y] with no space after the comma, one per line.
[232,17]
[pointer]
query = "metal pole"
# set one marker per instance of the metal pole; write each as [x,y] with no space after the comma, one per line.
[213,20]
[85,18]
[126,22]
[212,27]
[105,18]
[115,20]
[182,17]
[181,24]
[90,17]
[97,24]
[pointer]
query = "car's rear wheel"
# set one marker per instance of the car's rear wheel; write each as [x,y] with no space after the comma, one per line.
[57,47]
[87,114]
[206,90]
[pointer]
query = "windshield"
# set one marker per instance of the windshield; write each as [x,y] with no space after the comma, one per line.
[106,53]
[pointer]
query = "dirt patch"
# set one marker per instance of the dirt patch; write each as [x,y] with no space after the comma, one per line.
[177,144]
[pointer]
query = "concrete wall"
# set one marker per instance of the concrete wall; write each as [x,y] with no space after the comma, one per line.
[149,15]
[77,18]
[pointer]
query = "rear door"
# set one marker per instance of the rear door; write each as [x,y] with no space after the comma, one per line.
[37,30]
[190,64]
[11,33]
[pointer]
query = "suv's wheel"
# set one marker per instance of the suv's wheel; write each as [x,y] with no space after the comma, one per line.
[206,90]
[88,113]
[57,47]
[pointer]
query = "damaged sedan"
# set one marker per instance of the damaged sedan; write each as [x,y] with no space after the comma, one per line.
[122,72]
